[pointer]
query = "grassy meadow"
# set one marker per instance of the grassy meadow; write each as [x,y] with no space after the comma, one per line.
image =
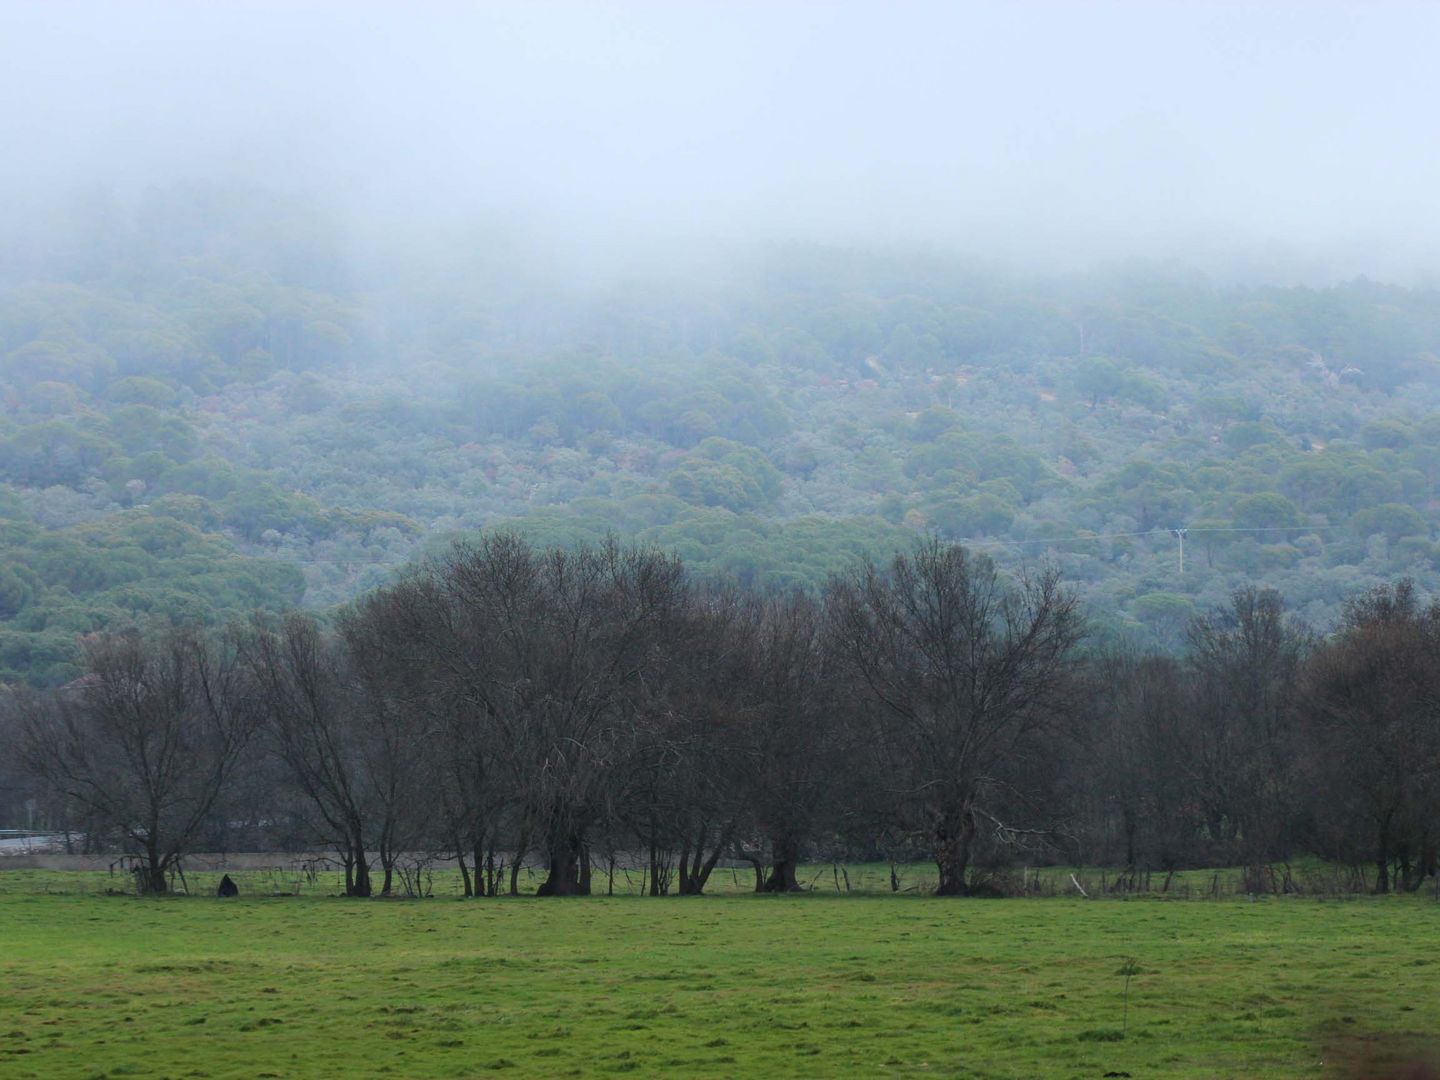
[816,985]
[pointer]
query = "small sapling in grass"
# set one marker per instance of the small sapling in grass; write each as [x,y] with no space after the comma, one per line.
[1129,969]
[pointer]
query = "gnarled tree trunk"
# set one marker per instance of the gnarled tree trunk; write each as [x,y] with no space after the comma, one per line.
[151,877]
[357,870]
[785,862]
[569,872]
[954,837]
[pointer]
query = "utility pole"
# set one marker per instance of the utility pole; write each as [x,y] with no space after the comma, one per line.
[1180,535]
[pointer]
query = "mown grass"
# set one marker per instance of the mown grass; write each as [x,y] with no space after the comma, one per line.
[817,985]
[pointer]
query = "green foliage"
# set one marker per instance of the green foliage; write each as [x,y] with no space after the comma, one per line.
[254,511]
[15,592]
[723,473]
[141,390]
[1265,510]
[142,428]
[984,514]
[1393,520]
[204,359]
[54,452]
[1167,613]
[796,553]
[125,568]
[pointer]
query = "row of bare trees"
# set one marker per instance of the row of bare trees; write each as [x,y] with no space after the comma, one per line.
[1266,740]
[599,705]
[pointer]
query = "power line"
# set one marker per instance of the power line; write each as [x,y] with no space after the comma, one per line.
[1274,528]
[1148,532]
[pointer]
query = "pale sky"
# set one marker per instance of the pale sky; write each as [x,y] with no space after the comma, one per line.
[1047,132]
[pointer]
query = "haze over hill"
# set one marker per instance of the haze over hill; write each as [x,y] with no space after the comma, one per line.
[289,292]
[1289,139]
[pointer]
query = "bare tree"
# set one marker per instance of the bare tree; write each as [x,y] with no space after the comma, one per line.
[711,690]
[145,742]
[393,733]
[792,737]
[444,659]
[565,648]
[963,673]
[735,755]
[1246,659]
[1136,768]
[20,794]
[1372,696]
[302,687]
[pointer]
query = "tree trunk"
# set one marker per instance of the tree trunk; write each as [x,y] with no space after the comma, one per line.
[782,869]
[477,856]
[692,883]
[701,877]
[156,884]
[563,877]
[152,875]
[569,872]
[759,868]
[1427,858]
[520,850]
[360,885]
[682,885]
[1382,862]
[465,887]
[1131,825]
[1405,879]
[954,834]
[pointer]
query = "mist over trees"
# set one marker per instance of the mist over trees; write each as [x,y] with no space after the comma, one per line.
[601,706]
[211,405]
[1047,134]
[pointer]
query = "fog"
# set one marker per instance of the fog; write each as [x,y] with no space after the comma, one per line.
[1289,140]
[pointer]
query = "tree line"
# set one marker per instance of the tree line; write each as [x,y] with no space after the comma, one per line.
[599,704]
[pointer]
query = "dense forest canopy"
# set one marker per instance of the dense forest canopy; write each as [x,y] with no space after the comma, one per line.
[214,400]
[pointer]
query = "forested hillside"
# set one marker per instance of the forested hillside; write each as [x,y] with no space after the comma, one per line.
[216,401]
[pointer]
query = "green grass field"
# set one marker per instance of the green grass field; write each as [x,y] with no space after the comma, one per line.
[312,986]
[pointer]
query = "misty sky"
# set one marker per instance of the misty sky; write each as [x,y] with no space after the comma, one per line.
[1060,132]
